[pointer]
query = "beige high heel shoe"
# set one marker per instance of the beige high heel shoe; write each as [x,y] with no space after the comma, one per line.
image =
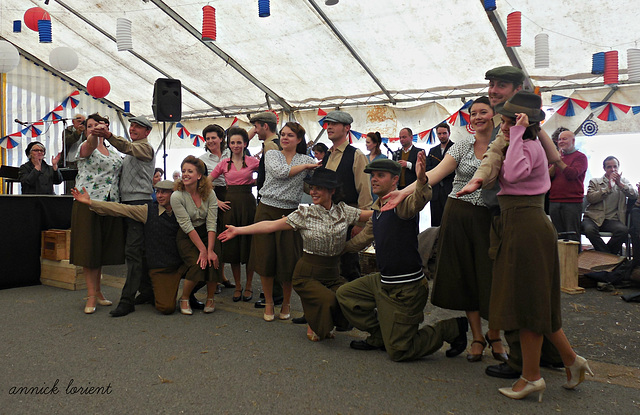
[285,316]
[187,311]
[102,300]
[268,317]
[578,369]
[87,309]
[207,308]
[531,387]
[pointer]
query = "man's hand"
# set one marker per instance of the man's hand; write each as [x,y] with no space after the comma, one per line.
[82,197]
[472,186]
[402,163]
[356,230]
[421,167]
[101,130]
[616,177]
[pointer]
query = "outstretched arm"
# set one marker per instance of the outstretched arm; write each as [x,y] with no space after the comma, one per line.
[266,226]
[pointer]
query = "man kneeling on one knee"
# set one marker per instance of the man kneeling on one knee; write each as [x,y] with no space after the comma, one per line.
[389,305]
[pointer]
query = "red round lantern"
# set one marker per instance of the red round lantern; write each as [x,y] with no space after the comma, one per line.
[32,16]
[98,87]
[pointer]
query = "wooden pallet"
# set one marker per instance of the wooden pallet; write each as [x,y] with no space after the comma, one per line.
[62,274]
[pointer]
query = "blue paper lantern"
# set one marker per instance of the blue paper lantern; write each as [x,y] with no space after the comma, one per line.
[489,5]
[127,106]
[597,67]
[44,31]
[17,26]
[264,9]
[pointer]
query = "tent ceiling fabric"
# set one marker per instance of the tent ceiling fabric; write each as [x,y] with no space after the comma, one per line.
[417,49]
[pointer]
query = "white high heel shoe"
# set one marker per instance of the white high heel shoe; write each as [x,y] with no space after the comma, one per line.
[578,369]
[531,387]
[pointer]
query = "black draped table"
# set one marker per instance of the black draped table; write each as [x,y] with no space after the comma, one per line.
[22,219]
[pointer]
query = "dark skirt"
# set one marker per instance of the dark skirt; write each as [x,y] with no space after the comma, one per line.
[526,282]
[242,213]
[189,254]
[275,254]
[95,240]
[316,280]
[464,269]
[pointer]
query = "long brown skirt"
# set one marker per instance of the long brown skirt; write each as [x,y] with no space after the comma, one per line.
[526,273]
[95,240]
[189,254]
[242,213]
[464,269]
[316,280]
[275,254]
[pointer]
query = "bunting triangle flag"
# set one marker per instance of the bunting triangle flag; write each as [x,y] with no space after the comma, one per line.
[234,122]
[8,142]
[321,112]
[197,140]
[635,110]
[608,110]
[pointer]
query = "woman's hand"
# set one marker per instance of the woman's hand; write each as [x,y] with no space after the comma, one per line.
[224,205]
[522,119]
[213,259]
[82,197]
[472,186]
[55,160]
[393,199]
[229,234]
[203,259]
[313,166]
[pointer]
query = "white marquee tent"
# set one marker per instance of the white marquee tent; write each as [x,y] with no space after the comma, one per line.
[391,63]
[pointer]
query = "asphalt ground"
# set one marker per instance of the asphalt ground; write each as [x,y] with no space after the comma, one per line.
[232,362]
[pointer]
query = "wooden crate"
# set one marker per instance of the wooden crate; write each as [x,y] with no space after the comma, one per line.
[56,244]
[568,255]
[62,274]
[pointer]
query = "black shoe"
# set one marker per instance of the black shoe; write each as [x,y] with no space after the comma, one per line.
[194,303]
[363,345]
[299,320]
[550,365]
[459,344]
[122,310]
[144,299]
[276,301]
[228,284]
[348,328]
[503,370]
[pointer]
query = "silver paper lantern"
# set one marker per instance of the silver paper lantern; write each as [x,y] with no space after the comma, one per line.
[542,51]
[123,34]
[633,64]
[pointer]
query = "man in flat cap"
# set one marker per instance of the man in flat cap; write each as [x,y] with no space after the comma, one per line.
[389,305]
[160,229]
[135,189]
[265,125]
[349,162]
[504,83]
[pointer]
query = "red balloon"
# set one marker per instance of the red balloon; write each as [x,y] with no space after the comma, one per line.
[32,16]
[98,87]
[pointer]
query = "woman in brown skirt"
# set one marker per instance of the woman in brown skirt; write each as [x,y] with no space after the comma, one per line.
[323,227]
[238,173]
[196,208]
[526,284]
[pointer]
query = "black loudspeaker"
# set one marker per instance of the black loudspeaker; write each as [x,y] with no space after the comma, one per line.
[167,100]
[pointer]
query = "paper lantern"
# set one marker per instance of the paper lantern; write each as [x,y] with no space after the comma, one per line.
[633,64]
[17,26]
[542,51]
[44,31]
[63,59]
[489,5]
[32,16]
[514,29]
[9,57]
[123,34]
[597,65]
[208,23]
[611,67]
[264,9]
[331,2]
[127,106]
[98,87]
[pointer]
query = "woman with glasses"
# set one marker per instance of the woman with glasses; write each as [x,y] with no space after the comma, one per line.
[36,176]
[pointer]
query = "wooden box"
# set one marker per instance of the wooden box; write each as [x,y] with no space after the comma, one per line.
[568,256]
[56,244]
[62,274]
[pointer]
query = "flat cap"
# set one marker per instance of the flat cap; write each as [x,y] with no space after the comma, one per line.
[266,116]
[165,184]
[507,74]
[391,166]
[340,117]
[140,120]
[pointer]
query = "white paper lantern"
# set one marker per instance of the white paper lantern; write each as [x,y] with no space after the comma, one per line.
[542,51]
[123,34]
[63,59]
[9,57]
[633,64]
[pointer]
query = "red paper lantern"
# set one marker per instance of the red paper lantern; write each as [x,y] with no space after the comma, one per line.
[611,67]
[208,23]
[514,29]
[98,87]
[32,16]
